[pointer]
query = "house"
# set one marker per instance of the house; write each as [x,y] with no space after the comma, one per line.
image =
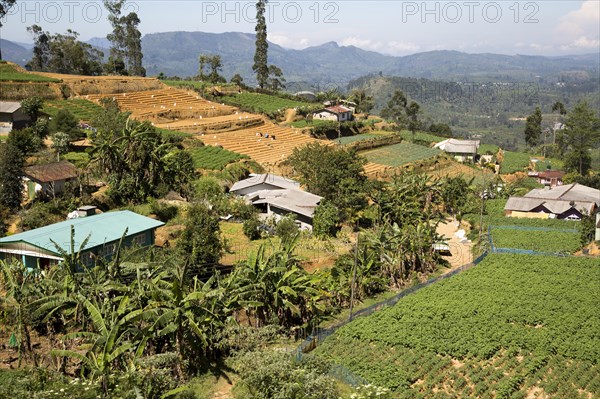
[338,113]
[461,150]
[49,179]
[551,178]
[570,201]
[35,248]
[277,197]
[12,116]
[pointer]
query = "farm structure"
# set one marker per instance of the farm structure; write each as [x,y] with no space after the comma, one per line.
[277,196]
[338,113]
[48,179]
[461,150]
[39,248]
[12,116]
[571,201]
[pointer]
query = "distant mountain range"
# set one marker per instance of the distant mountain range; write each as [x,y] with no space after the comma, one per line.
[330,65]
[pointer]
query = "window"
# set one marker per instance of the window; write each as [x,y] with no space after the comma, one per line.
[139,240]
[108,250]
[88,259]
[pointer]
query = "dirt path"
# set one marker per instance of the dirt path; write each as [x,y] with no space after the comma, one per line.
[461,251]
[290,114]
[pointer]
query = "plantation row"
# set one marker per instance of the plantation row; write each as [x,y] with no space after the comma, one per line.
[264,103]
[539,241]
[512,325]
[82,109]
[213,158]
[400,154]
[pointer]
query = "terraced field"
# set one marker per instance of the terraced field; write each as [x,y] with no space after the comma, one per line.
[515,326]
[400,154]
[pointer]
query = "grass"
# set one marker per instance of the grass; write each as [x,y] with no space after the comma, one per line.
[304,123]
[83,110]
[487,148]
[514,162]
[400,154]
[421,136]
[539,241]
[213,158]
[8,73]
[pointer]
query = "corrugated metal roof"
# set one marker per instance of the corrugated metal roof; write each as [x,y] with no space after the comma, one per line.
[101,229]
[458,146]
[51,172]
[297,201]
[558,207]
[256,179]
[569,192]
[9,107]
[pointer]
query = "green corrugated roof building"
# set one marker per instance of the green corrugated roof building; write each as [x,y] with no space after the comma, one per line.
[35,247]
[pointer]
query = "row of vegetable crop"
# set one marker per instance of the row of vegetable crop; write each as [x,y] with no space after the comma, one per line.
[513,323]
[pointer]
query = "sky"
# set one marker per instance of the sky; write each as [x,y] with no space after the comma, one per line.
[550,27]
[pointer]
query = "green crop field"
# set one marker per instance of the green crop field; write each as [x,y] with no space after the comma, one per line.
[536,240]
[10,74]
[400,154]
[264,103]
[213,158]
[83,110]
[515,326]
[422,136]
[359,137]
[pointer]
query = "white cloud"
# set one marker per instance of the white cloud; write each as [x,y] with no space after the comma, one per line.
[286,41]
[365,44]
[392,47]
[581,23]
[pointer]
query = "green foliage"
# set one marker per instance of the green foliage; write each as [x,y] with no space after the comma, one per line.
[163,211]
[400,154]
[260,66]
[336,174]
[43,383]
[8,73]
[201,242]
[251,226]
[539,241]
[79,159]
[264,103]
[326,220]
[275,375]
[82,110]
[286,228]
[514,162]
[533,128]
[32,107]
[11,170]
[582,133]
[126,41]
[534,307]
[25,140]
[64,121]
[213,158]
[61,143]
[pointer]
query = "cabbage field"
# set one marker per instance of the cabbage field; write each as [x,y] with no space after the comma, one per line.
[213,158]
[515,326]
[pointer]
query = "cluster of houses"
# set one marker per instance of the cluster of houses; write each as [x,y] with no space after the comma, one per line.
[274,195]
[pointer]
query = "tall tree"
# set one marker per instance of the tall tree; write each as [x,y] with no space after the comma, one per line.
[412,113]
[582,134]
[203,61]
[260,66]
[216,65]
[126,39]
[396,108]
[276,79]
[41,48]
[533,128]
[5,5]
[11,172]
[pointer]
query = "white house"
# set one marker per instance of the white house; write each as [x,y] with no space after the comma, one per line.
[461,150]
[49,179]
[597,238]
[338,113]
[277,197]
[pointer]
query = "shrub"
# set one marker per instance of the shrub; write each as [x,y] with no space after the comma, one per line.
[286,228]
[326,220]
[164,212]
[251,228]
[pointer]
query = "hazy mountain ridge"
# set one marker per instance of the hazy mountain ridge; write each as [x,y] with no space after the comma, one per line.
[330,65]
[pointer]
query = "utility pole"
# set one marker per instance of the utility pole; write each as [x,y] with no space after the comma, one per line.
[352,286]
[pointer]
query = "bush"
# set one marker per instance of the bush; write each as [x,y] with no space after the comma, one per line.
[164,212]
[286,228]
[251,228]
[326,220]
[275,375]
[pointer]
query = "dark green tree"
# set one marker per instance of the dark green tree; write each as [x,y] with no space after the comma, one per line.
[64,121]
[260,66]
[5,5]
[395,109]
[201,243]
[11,173]
[237,79]
[412,113]
[276,79]
[582,134]
[126,49]
[32,107]
[533,128]
[364,103]
[203,62]
[41,48]
[326,220]
[334,173]
[216,65]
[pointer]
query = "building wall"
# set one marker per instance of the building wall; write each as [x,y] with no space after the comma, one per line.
[597,238]
[326,116]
